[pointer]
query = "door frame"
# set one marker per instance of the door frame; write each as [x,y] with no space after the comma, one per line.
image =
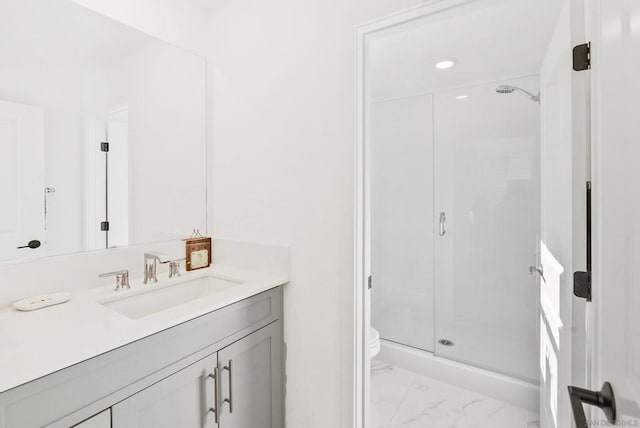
[361,296]
[613,220]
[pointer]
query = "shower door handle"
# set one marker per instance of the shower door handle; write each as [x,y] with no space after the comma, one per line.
[443,220]
[539,270]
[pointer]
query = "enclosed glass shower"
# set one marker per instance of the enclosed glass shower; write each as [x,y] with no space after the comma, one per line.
[453,196]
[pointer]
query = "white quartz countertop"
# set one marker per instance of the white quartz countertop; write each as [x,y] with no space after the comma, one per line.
[37,343]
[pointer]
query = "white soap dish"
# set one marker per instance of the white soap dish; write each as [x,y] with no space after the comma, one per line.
[42,301]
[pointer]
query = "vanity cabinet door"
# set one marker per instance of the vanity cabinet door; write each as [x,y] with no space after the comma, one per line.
[180,400]
[251,380]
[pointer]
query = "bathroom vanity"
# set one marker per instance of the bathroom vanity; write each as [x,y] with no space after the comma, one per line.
[215,360]
[105,161]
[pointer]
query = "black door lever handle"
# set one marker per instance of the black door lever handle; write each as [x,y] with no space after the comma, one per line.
[604,399]
[32,244]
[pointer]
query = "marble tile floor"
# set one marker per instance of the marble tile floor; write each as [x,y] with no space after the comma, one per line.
[403,399]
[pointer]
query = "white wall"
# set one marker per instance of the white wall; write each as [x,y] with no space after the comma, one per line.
[283,171]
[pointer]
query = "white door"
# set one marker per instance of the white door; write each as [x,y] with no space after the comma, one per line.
[118,178]
[563,208]
[616,204]
[95,196]
[21,180]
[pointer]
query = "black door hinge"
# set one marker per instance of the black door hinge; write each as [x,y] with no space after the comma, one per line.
[581,279]
[582,57]
[369,282]
[104,226]
[582,285]
[104,147]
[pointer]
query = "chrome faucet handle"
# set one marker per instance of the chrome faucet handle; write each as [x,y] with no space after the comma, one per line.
[151,261]
[174,268]
[122,279]
[150,268]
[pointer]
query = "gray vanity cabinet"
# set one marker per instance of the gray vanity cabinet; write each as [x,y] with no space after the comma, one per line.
[180,400]
[163,380]
[249,390]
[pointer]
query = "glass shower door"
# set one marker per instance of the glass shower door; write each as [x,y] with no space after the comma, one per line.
[401,198]
[487,200]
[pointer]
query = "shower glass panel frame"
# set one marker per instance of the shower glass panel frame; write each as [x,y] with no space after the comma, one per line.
[455,191]
[453,197]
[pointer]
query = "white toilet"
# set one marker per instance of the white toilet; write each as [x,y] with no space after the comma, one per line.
[374,339]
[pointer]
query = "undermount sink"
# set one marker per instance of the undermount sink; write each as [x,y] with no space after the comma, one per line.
[158,297]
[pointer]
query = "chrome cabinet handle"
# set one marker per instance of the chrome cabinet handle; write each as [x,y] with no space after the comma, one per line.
[443,220]
[215,376]
[229,368]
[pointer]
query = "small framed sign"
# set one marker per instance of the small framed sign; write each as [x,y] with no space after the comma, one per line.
[198,253]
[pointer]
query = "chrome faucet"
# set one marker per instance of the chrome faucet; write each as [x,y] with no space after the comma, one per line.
[122,279]
[151,261]
[150,267]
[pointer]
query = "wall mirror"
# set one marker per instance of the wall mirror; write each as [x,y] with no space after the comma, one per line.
[102,133]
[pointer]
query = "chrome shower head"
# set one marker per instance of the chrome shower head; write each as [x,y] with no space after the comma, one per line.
[508,89]
[504,89]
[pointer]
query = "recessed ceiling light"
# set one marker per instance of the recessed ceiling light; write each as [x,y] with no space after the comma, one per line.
[462,97]
[444,64]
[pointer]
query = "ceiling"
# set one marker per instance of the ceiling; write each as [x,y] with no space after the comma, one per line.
[55,35]
[497,41]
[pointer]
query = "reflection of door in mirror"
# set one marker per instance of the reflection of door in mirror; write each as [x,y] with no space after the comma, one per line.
[95,175]
[21,180]
[107,180]
[118,177]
